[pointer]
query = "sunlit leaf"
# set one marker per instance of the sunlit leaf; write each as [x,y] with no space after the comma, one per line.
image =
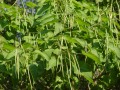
[81,42]
[2,39]
[57,51]
[27,45]
[49,52]
[69,39]
[10,55]
[76,70]
[44,55]
[88,76]
[31,19]
[58,79]
[31,4]
[58,28]
[51,63]
[92,56]
[8,47]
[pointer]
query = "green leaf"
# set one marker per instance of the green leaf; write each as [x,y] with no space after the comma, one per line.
[92,56]
[50,34]
[50,19]
[45,19]
[49,52]
[57,51]
[2,39]
[58,79]
[81,22]
[40,41]
[41,67]
[69,39]
[30,4]
[44,55]
[117,24]
[30,19]
[88,76]
[84,67]
[3,68]
[81,42]
[1,57]
[98,1]
[58,28]
[10,55]
[27,45]
[78,41]
[8,47]
[40,11]
[114,49]
[51,63]
[104,18]
[84,71]
[34,70]
[76,70]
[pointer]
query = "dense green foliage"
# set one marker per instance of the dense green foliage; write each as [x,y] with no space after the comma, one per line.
[60,45]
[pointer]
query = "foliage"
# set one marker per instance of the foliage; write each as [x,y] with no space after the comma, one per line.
[60,44]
